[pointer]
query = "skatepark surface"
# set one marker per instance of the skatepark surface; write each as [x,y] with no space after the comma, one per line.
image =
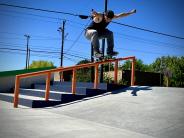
[134,112]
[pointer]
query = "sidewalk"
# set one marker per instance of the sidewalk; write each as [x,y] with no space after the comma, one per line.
[135,112]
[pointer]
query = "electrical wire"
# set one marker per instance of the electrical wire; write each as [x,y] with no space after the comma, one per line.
[78,37]
[151,42]
[37,9]
[151,31]
[42,51]
[67,13]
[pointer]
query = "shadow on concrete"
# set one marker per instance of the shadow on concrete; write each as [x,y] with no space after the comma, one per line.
[139,88]
[134,90]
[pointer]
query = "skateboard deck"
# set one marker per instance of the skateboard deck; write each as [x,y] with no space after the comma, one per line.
[107,57]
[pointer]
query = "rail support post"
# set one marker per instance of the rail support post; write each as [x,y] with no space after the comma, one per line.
[133,72]
[16,92]
[96,77]
[116,72]
[74,81]
[47,86]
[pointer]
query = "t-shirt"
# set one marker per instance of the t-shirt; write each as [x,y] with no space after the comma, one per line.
[98,26]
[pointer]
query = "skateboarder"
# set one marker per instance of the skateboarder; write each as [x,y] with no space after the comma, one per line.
[97,30]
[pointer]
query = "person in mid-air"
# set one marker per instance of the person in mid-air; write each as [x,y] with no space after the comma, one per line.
[97,30]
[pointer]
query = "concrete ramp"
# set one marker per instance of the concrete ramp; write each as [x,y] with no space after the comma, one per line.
[152,111]
[134,112]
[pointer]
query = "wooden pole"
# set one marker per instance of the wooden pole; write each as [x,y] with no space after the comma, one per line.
[16,92]
[133,72]
[47,86]
[74,81]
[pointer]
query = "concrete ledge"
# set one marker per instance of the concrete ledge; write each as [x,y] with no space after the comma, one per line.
[66,98]
[40,93]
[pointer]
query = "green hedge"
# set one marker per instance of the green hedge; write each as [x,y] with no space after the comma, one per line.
[17,72]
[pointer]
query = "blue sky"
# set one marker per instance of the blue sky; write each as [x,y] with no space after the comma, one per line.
[164,16]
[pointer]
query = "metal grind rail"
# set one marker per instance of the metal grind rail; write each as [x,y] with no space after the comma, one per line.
[74,80]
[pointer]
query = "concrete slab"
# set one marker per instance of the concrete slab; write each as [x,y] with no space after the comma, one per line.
[135,112]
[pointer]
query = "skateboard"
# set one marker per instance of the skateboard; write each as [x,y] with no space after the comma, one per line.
[107,57]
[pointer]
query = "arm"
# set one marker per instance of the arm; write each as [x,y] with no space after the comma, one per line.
[96,14]
[116,16]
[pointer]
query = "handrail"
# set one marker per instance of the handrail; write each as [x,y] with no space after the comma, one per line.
[74,69]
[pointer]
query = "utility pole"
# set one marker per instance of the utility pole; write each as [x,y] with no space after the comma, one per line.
[27,49]
[28,57]
[103,49]
[62,30]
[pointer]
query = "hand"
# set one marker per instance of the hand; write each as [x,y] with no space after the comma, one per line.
[133,11]
[93,12]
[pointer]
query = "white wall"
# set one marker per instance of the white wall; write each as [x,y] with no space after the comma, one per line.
[7,83]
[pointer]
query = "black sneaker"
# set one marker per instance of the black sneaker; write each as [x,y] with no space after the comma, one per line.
[113,53]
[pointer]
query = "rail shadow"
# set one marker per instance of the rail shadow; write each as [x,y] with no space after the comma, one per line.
[134,90]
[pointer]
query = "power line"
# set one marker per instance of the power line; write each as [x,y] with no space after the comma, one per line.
[67,13]
[16,12]
[143,29]
[151,42]
[141,51]
[76,56]
[129,37]
[70,59]
[25,18]
[40,16]
[39,49]
[136,28]
[37,9]
[12,52]
[50,54]
[13,49]
[78,37]
[40,52]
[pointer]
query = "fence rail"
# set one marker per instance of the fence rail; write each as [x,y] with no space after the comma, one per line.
[74,80]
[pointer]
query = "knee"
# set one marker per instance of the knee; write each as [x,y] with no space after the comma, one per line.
[91,34]
[94,35]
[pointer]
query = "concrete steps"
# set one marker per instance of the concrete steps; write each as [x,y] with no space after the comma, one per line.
[59,93]
[66,86]
[29,101]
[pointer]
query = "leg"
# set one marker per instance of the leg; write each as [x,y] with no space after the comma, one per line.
[110,39]
[93,36]
[110,44]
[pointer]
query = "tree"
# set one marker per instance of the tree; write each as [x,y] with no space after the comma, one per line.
[172,68]
[41,64]
[83,75]
[139,65]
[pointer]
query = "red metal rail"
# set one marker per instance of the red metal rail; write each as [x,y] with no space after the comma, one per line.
[74,69]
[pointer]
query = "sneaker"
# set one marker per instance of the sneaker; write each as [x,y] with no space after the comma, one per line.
[113,53]
[98,55]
